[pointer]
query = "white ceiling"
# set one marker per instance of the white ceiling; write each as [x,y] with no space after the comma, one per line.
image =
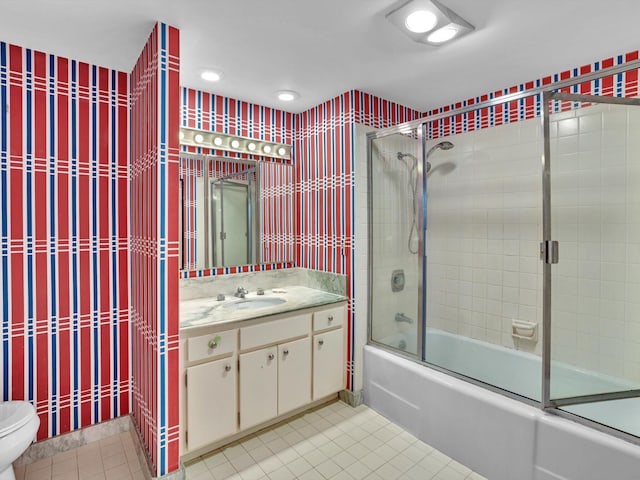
[322,48]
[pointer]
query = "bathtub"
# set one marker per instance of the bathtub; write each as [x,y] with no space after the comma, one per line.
[499,437]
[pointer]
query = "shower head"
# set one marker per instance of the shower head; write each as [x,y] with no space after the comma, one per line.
[442,146]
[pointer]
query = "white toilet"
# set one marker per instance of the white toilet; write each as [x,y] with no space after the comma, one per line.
[18,426]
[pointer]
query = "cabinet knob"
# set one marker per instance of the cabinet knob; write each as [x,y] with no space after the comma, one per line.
[330,318]
[213,343]
[286,351]
[271,356]
[227,367]
[321,342]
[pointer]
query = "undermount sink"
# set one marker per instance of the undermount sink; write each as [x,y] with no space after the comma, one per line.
[251,303]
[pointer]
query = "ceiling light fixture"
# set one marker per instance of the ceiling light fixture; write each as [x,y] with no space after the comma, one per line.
[235,144]
[211,76]
[251,146]
[217,141]
[282,151]
[428,21]
[266,149]
[198,138]
[287,95]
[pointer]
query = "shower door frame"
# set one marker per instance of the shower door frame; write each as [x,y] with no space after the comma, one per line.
[371,137]
[549,255]
[544,92]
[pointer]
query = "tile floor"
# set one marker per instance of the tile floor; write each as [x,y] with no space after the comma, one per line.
[112,458]
[334,442]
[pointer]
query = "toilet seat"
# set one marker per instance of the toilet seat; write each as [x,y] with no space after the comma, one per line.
[14,415]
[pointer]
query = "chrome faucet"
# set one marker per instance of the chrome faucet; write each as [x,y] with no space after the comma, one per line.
[402,318]
[241,292]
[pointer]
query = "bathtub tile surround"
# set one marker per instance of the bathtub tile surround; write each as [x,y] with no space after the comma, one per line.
[154,247]
[64,275]
[332,442]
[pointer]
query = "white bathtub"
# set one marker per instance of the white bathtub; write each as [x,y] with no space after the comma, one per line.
[500,438]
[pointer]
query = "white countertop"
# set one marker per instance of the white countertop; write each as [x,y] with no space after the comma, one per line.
[201,312]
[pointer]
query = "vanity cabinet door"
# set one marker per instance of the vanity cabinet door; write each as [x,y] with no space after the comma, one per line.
[294,375]
[328,363]
[258,386]
[212,406]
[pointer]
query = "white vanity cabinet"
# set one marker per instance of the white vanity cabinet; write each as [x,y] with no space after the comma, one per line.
[329,368]
[294,375]
[275,379]
[210,392]
[258,386]
[242,377]
[212,404]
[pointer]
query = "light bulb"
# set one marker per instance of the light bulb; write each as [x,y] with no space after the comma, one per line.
[251,146]
[266,149]
[287,95]
[420,21]
[210,76]
[235,143]
[442,34]
[217,141]
[282,151]
[198,138]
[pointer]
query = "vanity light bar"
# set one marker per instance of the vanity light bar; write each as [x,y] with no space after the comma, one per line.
[233,143]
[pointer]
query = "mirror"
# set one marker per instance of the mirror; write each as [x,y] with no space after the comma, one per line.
[234,212]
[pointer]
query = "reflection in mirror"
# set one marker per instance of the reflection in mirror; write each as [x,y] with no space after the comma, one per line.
[244,216]
[233,225]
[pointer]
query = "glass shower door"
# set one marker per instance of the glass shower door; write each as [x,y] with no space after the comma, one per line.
[395,243]
[594,301]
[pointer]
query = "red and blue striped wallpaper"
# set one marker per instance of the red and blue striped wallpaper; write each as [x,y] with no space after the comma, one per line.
[325,188]
[64,150]
[154,177]
[619,85]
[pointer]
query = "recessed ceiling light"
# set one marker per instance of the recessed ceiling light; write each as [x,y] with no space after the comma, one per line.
[266,149]
[198,138]
[421,21]
[282,151]
[235,144]
[211,76]
[443,34]
[217,141]
[287,95]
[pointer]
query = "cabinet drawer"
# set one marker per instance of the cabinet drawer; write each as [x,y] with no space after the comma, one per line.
[275,331]
[212,345]
[329,318]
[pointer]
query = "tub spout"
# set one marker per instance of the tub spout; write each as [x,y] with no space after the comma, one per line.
[402,318]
